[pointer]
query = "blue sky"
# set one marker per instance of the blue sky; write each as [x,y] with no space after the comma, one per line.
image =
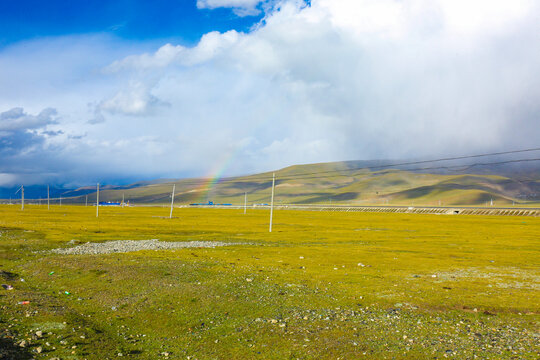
[119,91]
[167,20]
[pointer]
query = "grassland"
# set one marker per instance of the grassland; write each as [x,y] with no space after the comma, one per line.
[320,286]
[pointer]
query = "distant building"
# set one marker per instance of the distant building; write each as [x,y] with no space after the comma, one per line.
[109,203]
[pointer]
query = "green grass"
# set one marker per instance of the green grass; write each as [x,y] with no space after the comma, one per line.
[322,285]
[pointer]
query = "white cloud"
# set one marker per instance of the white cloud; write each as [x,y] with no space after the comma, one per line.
[134,100]
[240,7]
[211,45]
[339,80]
[164,56]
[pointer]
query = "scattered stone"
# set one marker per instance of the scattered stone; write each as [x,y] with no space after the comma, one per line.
[39,333]
[123,246]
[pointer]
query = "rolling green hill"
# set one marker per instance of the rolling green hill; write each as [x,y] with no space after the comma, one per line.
[355,183]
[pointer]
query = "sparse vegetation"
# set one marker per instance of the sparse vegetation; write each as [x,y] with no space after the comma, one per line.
[322,285]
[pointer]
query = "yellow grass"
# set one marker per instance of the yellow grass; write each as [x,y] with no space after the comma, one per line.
[322,285]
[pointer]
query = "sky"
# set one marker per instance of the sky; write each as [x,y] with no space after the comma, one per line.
[125,90]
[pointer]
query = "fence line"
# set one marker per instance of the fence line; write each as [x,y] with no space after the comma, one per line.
[393,209]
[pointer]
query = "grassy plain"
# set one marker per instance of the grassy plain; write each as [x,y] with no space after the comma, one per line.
[322,285]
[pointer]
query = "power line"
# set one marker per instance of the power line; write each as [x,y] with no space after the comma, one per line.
[283,179]
[259,177]
[350,171]
[419,162]
[315,174]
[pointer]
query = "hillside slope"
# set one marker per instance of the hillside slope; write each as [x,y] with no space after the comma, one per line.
[353,182]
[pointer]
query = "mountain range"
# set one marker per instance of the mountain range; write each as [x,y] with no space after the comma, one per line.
[379,182]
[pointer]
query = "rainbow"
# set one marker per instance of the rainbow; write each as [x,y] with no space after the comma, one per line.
[213,177]
[216,173]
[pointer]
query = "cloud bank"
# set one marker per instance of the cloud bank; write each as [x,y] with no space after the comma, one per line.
[336,80]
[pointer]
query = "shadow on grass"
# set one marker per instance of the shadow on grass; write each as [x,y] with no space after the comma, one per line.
[9,276]
[8,350]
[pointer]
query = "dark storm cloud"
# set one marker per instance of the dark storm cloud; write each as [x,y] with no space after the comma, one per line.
[20,131]
[16,119]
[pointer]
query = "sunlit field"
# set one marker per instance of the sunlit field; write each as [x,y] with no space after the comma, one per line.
[322,285]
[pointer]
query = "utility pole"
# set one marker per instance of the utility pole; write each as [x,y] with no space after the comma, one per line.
[245,202]
[21,189]
[48,199]
[272,200]
[172,200]
[122,199]
[60,200]
[97,201]
[86,201]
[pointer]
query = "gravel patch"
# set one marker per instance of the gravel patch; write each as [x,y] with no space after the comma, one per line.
[123,246]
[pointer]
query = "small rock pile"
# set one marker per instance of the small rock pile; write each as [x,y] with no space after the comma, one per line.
[123,246]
